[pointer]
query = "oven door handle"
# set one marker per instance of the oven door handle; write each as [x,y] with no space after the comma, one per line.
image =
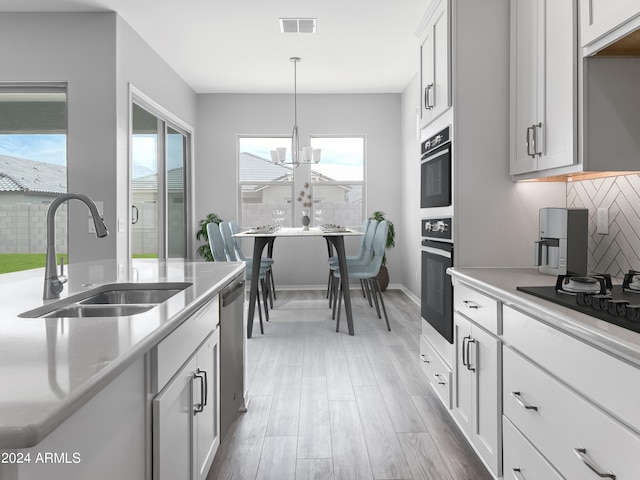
[436,251]
[429,157]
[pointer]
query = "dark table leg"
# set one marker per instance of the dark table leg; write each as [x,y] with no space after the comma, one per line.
[258,246]
[338,243]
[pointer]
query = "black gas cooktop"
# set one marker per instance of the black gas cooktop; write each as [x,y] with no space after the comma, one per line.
[616,304]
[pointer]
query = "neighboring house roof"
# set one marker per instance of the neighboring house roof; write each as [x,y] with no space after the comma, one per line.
[22,175]
[175,181]
[258,169]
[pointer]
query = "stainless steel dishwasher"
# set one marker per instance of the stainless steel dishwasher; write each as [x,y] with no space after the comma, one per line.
[233,348]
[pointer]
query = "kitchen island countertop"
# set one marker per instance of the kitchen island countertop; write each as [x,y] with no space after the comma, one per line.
[50,367]
[501,284]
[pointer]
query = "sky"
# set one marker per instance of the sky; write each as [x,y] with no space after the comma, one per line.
[47,148]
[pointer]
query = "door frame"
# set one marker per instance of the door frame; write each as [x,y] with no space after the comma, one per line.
[168,119]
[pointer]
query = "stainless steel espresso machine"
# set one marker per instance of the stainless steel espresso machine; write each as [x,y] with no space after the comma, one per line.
[562,247]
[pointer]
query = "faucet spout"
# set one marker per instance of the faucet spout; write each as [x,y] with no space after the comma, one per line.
[53,283]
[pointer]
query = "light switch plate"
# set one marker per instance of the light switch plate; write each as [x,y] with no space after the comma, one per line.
[602,221]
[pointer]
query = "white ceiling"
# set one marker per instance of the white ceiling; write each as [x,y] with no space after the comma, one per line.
[361,46]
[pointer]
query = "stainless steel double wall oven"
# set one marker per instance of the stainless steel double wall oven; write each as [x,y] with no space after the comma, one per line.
[436,187]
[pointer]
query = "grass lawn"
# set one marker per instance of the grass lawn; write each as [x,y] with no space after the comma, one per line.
[15,262]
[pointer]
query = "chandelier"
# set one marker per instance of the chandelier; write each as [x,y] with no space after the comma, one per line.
[299,155]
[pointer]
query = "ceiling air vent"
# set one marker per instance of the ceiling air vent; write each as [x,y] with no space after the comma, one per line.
[298,25]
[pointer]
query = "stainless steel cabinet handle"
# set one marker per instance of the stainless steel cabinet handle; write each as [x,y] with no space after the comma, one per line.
[424,358]
[203,391]
[470,304]
[517,474]
[427,103]
[439,379]
[469,367]
[518,398]
[535,139]
[581,452]
[528,142]
[464,351]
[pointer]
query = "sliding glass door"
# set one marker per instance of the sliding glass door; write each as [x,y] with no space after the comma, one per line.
[159,155]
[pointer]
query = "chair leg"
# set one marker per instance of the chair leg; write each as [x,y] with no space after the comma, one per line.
[267,283]
[339,299]
[259,311]
[335,287]
[367,287]
[329,286]
[265,296]
[375,297]
[377,285]
[272,288]
[364,294]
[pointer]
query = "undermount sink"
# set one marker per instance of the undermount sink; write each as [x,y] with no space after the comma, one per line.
[111,300]
[76,311]
[141,295]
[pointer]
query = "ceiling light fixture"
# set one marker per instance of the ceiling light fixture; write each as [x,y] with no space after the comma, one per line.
[299,156]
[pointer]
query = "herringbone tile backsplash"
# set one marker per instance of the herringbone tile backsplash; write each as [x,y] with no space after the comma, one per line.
[618,251]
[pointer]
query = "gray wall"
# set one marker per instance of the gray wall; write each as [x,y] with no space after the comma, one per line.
[98,54]
[221,117]
[77,48]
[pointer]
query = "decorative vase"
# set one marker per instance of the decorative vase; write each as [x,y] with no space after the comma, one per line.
[383,278]
[305,221]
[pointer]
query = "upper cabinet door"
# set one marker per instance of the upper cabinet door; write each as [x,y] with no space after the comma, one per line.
[600,17]
[435,62]
[524,84]
[543,85]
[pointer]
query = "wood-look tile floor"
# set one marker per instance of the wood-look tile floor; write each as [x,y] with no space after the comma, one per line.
[325,405]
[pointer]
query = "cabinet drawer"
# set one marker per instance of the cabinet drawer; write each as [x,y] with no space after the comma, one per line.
[476,306]
[171,353]
[608,381]
[438,374]
[521,459]
[569,431]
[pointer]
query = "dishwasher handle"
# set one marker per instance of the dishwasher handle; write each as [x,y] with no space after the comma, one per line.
[231,292]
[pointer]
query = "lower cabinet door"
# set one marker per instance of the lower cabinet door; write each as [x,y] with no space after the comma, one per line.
[206,387]
[172,427]
[186,417]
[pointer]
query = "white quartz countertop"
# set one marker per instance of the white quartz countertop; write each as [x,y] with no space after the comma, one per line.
[501,284]
[49,367]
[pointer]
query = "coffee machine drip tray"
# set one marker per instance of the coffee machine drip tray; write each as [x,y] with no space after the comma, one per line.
[616,304]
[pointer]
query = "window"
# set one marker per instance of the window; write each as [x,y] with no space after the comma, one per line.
[33,171]
[338,181]
[265,189]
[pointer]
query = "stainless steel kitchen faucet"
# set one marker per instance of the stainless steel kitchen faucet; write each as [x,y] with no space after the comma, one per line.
[53,283]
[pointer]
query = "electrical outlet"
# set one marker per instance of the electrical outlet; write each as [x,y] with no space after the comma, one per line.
[602,221]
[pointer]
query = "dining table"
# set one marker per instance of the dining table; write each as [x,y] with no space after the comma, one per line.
[265,237]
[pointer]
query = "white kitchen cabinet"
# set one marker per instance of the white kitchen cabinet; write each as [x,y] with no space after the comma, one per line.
[186,421]
[601,17]
[544,92]
[435,61]
[579,439]
[477,390]
[437,372]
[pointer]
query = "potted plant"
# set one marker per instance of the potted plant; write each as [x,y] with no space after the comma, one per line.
[383,274]
[201,234]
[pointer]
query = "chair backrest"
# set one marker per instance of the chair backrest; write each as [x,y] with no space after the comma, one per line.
[216,242]
[364,228]
[379,245]
[233,226]
[368,240]
[229,241]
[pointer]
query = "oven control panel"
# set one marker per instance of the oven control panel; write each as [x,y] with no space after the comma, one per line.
[437,228]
